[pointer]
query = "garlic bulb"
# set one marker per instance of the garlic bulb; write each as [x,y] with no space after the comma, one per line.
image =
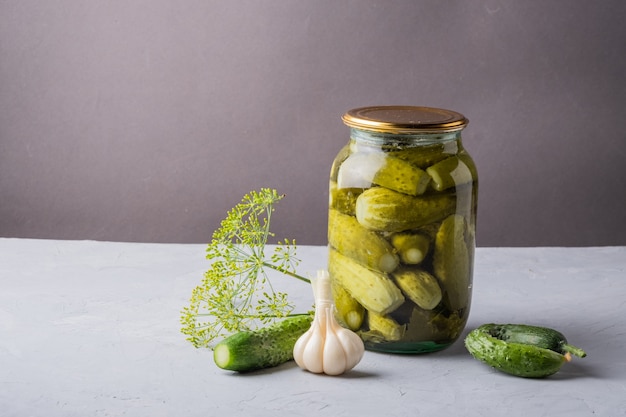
[327,347]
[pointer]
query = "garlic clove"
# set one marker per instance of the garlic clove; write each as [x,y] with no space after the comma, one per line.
[313,350]
[353,347]
[298,348]
[334,359]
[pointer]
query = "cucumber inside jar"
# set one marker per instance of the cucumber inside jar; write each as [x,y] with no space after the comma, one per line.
[361,170]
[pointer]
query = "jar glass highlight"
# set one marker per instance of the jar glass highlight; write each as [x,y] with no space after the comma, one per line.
[401,228]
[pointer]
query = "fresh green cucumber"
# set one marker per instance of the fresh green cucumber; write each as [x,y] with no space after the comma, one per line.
[535,335]
[263,348]
[521,350]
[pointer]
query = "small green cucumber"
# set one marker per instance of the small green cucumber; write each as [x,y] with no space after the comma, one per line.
[385,327]
[427,155]
[374,290]
[450,172]
[363,169]
[401,176]
[451,261]
[263,348]
[363,245]
[412,247]
[343,199]
[386,210]
[521,350]
[348,310]
[535,335]
[469,163]
[419,286]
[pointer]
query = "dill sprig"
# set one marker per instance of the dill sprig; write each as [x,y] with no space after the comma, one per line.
[236,293]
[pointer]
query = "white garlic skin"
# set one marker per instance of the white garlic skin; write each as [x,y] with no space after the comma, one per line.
[327,347]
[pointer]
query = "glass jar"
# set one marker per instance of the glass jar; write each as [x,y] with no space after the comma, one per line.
[401,228]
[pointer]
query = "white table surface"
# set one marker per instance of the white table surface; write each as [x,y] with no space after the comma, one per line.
[92,329]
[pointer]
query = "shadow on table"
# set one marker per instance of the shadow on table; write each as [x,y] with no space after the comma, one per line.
[353,374]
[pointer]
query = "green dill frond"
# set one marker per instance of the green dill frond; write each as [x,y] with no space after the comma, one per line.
[236,293]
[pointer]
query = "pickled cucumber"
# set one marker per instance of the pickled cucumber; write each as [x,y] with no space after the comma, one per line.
[451,261]
[385,327]
[367,168]
[401,176]
[382,209]
[343,199]
[373,290]
[412,247]
[419,286]
[425,156]
[349,312]
[469,163]
[450,172]
[363,245]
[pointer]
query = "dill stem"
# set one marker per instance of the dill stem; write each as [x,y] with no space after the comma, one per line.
[286,272]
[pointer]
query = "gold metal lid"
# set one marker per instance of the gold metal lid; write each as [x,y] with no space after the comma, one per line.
[404,119]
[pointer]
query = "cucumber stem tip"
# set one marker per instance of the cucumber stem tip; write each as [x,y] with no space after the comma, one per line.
[573,350]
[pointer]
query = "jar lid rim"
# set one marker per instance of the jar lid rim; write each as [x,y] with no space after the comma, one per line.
[404,119]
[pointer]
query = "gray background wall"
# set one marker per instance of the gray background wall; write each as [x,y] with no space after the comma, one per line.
[139,120]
